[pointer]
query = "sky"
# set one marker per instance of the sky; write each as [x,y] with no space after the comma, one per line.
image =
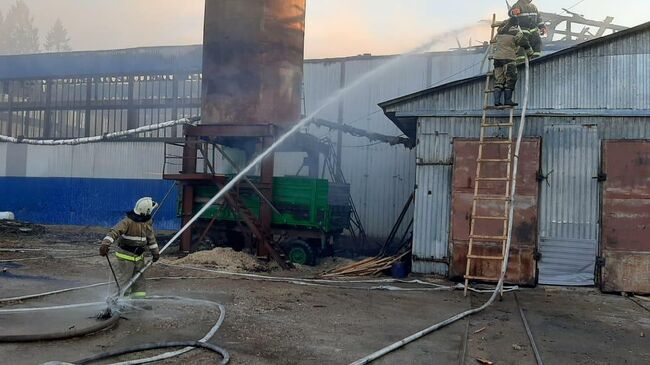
[334,28]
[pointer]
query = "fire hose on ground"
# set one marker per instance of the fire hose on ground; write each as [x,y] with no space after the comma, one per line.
[188,345]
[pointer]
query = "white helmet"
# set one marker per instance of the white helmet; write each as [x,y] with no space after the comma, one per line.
[144,206]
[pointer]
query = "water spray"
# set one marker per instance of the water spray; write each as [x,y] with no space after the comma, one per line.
[302,123]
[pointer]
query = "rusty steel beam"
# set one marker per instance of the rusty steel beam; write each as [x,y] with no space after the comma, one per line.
[373,137]
[231,130]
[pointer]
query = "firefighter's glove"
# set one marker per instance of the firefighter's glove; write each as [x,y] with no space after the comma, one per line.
[530,52]
[103,249]
[155,256]
[543,30]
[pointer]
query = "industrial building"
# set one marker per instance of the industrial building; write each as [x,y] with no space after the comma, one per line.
[78,94]
[254,181]
[582,209]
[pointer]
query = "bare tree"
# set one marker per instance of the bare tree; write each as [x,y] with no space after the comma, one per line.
[57,38]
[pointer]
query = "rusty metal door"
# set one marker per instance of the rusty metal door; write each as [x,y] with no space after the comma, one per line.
[626,217]
[569,205]
[522,266]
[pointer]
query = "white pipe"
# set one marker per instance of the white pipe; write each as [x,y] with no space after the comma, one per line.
[56,307]
[103,137]
[504,267]
[32,296]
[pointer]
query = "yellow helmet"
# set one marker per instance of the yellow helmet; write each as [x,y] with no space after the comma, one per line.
[144,206]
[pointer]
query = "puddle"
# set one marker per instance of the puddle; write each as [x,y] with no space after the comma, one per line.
[11,276]
[11,265]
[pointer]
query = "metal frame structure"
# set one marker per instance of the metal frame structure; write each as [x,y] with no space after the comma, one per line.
[83,106]
[262,135]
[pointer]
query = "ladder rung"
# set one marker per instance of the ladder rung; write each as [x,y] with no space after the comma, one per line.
[493,218]
[479,257]
[492,197]
[495,142]
[495,238]
[482,278]
[497,125]
[490,73]
[492,179]
[494,160]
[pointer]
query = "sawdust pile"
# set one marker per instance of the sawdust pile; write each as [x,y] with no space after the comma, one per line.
[224,259]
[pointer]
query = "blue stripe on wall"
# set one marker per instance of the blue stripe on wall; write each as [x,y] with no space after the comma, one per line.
[83,201]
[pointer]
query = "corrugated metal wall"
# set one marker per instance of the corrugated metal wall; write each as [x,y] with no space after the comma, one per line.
[432,200]
[381,176]
[569,212]
[436,135]
[90,184]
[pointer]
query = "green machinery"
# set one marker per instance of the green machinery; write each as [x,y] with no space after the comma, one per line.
[309,214]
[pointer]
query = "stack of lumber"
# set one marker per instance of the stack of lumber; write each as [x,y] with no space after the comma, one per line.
[372,266]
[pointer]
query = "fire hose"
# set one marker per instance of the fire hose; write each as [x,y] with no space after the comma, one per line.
[504,267]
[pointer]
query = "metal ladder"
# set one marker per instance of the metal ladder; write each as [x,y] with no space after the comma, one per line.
[483,200]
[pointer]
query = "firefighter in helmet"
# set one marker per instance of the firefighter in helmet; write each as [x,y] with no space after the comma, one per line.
[133,235]
[508,41]
[525,14]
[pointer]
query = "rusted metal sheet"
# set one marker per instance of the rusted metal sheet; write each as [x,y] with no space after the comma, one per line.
[626,217]
[626,272]
[522,266]
[253,61]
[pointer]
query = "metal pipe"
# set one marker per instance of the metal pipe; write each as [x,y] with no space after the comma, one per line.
[103,137]
[538,357]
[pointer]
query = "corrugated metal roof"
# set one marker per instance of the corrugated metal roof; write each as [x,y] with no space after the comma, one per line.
[147,60]
[588,75]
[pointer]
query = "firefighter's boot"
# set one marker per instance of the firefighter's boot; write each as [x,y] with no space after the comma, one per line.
[508,98]
[498,93]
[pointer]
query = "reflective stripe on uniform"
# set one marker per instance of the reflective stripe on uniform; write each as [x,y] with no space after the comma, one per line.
[109,238]
[530,31]
[138,295]
[126,257]
[153,247]
[134,238]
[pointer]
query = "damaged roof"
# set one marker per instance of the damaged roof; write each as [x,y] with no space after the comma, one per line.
[406,121]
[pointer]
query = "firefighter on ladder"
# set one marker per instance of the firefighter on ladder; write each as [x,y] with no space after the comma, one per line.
[508,41]
[133,236]
[525,14]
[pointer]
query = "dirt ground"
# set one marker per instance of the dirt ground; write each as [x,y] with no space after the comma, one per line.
[286,323]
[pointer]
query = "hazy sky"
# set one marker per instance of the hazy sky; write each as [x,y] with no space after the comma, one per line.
[334,27]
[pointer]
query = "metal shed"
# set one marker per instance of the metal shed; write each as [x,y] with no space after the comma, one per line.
[587,219]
